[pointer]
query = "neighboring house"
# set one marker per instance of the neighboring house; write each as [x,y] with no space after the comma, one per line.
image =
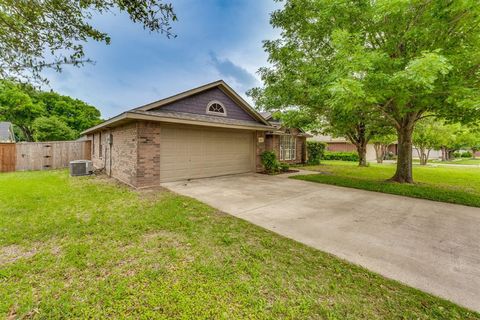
[6,132]
[343,145]
[204,132]
[289,144]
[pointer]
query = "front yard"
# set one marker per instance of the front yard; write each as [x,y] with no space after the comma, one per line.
[90,248]
[455,184]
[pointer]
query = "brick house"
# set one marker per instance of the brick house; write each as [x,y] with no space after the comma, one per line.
[204,132]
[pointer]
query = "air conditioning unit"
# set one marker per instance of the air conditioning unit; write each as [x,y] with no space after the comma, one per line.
[81,168]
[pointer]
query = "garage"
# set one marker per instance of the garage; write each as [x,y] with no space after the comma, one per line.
[189,152]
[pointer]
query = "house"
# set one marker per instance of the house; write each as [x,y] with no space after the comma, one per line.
[340,144]
[289,144]
[203,132]
[6,132]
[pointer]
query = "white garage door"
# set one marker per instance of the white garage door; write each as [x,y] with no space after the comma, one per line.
[190,152]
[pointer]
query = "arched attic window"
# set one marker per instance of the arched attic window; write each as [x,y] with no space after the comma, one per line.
[216,108]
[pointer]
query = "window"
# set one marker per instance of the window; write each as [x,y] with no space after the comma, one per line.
[100,145]
[216,108]
[288,148]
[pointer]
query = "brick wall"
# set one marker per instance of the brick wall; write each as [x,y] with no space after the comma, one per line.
[341,147]
[148,172]
[260,148]
[122,164]
[272,143]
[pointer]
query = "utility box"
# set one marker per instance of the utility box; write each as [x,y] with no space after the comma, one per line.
[81,168]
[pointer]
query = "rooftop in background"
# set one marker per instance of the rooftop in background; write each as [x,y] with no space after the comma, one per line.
[6,132]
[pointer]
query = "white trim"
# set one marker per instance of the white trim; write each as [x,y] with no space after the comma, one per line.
[293,148]
[213,113]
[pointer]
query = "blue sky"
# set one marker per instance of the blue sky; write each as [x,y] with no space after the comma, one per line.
[216,39]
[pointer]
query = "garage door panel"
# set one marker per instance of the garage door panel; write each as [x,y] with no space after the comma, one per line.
[187,153]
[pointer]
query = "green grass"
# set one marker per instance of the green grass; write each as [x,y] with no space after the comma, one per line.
[460,185]
[89,248]
[462,161]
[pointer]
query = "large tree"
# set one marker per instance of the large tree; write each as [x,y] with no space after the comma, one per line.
[404,58]
[39,34]
[22,104]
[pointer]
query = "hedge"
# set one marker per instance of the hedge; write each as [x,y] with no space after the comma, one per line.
[315,151]
[343,156]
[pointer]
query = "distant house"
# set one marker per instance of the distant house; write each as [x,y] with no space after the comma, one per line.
[203,132]
[340,144]
[6,132]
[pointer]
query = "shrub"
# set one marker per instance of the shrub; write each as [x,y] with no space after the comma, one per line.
[466,154]
[270,162]
[284,167]
[315,151]
[343,156]
[457,154]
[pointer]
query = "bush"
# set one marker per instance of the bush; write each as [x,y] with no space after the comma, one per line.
[466,154]
[270,162]
[457,154]
[343,156]
[315,151]
[284,167]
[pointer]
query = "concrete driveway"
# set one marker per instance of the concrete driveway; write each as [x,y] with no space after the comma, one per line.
[429,245]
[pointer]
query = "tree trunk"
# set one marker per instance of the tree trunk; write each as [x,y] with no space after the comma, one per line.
[404,173]
[474,156]
[359,139]
[362,154]
[444,154]
[427,156]
[27,133]
[423,156]
[379,152]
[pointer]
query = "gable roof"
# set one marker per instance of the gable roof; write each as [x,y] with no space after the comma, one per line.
[144,112]
[222,85]
[6,132]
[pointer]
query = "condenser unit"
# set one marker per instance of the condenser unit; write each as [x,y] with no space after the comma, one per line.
[81,168]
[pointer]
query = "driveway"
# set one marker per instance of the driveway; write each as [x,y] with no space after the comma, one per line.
[429,245]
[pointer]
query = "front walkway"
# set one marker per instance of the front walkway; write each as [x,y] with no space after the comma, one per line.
[429,245]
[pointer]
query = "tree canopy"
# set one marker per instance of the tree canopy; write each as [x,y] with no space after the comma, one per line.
[23,105]
[405,59]
[35,35]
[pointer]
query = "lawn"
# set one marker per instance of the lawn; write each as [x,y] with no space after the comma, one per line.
[90,248]
[462,161]
[452,184]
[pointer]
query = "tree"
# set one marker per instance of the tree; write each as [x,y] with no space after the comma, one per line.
[470,139]
[357,126]
[381,142]
[406,59]
[51,129]
[426,138]
[22,104]
[17,107]
[48,34]
[77,114]
[449,137]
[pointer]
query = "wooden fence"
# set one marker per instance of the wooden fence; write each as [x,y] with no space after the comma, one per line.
[43,155]
[7,157]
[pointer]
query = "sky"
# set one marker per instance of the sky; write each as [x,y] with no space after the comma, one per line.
[216,39]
